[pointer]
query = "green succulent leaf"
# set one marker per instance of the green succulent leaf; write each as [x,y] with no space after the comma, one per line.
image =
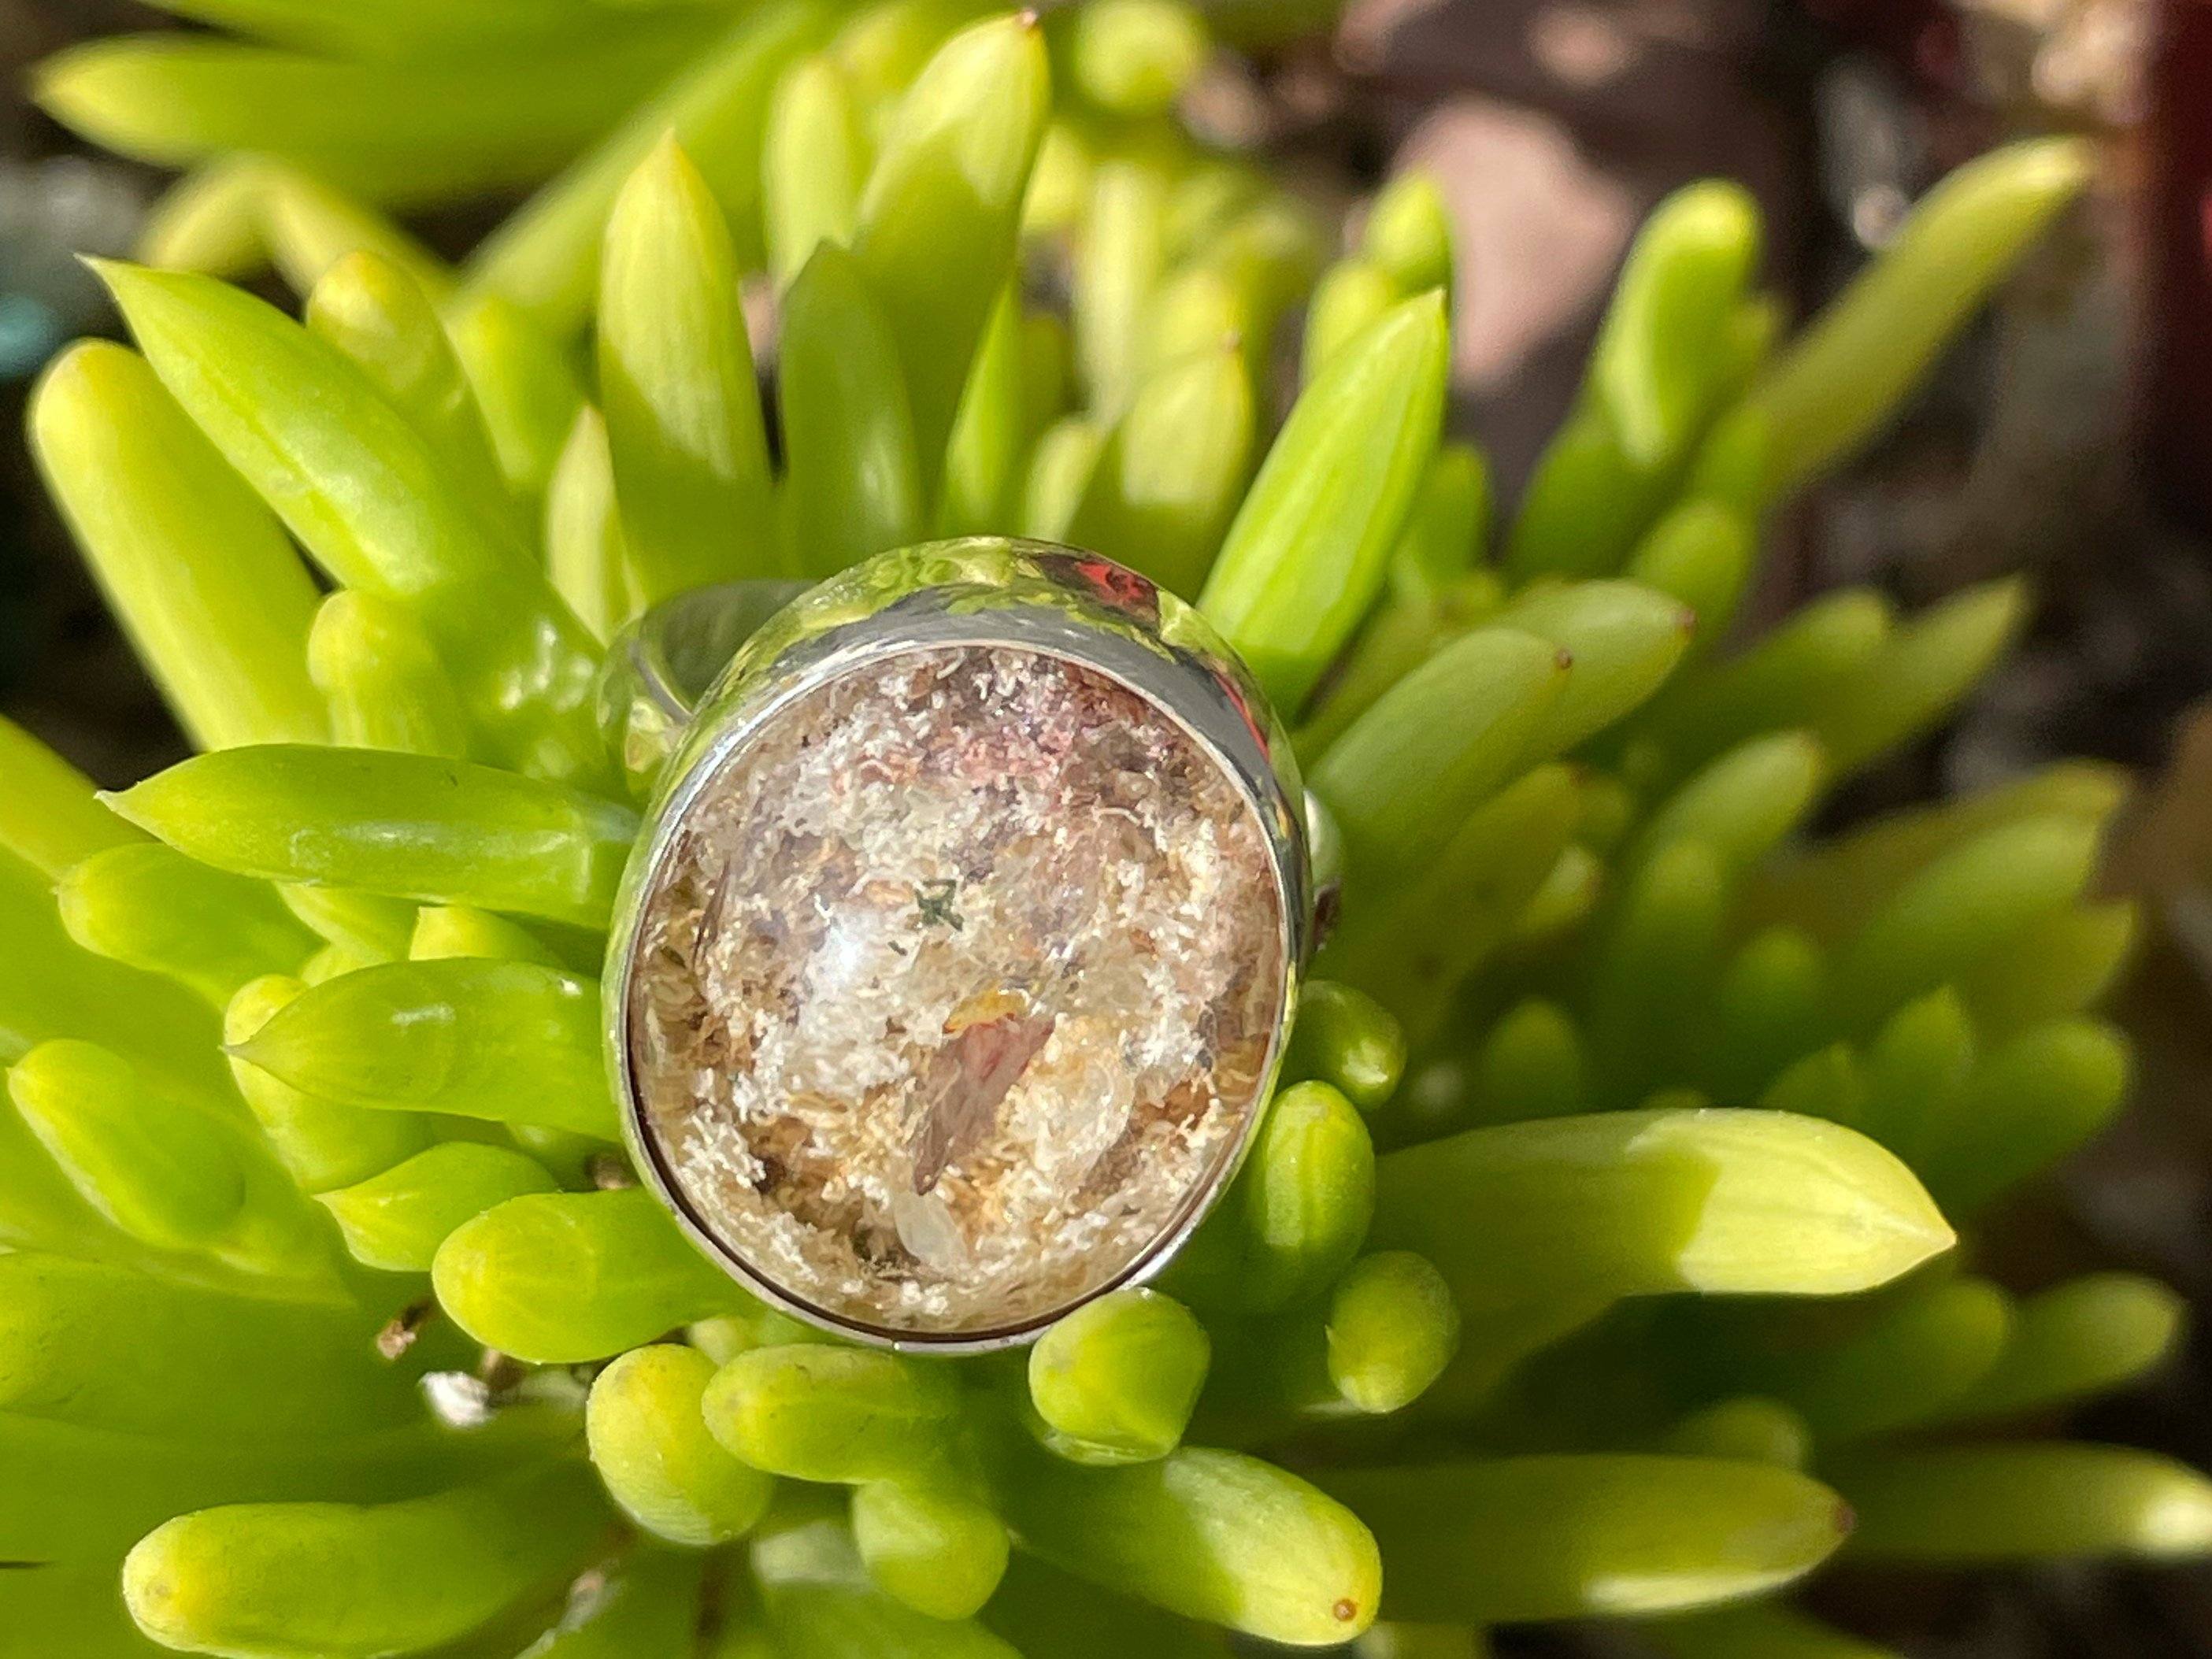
[560,1277]
[413,826]
[1563,1537]
[650,1443]
[677,388]
[346,1582]
[198,570]
[1309,549]
[1209,1535]
[935,238]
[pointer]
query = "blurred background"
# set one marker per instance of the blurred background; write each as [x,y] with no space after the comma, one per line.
[2071,436]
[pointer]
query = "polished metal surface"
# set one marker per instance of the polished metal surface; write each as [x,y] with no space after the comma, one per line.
[674,738]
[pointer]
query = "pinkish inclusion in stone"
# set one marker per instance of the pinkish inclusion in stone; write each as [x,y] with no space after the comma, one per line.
[956,991]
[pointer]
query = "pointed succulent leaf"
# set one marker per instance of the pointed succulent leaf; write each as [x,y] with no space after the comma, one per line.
[82,1494]
[1784,682]
[1309,549]
[320,1143]
[1623,640]
[1964,905]
[1746,1429]
[525,383]
[1409,771]
[374,505]
[1120,261]
[1770,1007]
[1389,1329]
[1296,1213]
[1653,968]
[1702,554]
[1928,1350]
[397,132]
[1919,674]
[2076,1338]
[2032,1102]
[150,908]
[1563,1537]
[510,1042]
[1841,380]
[50,816]
[396,1219]
[1408,234]
[310,227]
[1350,298]
[1533,1064]
[2024,1501]
[558,1278]
[1742,805]
[1344,1038]
[461,930]
[208,221]
[1174,471]
[380,316]
[1211,1535]
[58,988]
[386,689]
[585,556]
[1587,504]
[166,1169]
[1135,57]
[1067,453]
[677,385]
[1645,1201]
[411,825]
[814,160]
[198,571]
[1830,889]
[989,442]
[544,258]
[939,217]
[1654,367]
[1412,949]
[852,481]
[1446,536]
[2059,965]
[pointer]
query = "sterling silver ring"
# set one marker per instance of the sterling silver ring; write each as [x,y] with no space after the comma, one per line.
[954,968]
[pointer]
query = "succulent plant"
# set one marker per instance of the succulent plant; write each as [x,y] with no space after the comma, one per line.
[1596,1258]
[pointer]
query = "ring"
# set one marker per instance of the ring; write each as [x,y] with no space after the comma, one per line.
[953,971]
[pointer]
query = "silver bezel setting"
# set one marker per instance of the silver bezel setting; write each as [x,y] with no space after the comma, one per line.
[1052,601]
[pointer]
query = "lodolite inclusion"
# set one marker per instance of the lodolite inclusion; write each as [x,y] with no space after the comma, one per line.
[956,989]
